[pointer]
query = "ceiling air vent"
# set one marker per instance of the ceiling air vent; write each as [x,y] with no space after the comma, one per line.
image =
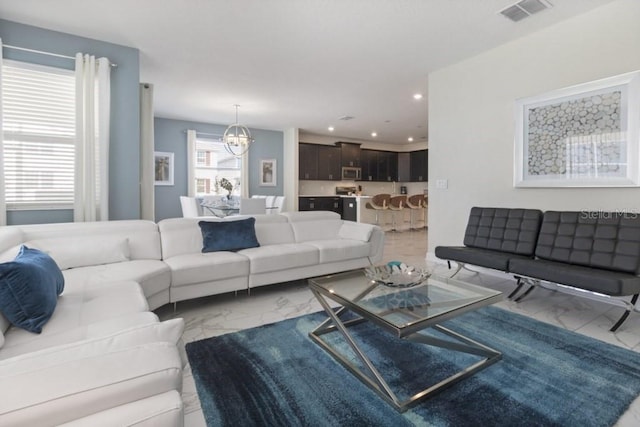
[346,118]
[525,8]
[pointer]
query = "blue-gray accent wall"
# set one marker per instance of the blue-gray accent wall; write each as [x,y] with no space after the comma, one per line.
[124,152]
[170,136]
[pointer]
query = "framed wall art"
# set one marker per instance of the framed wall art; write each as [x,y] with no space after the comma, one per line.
[163,168]
[268,173]
[581,136]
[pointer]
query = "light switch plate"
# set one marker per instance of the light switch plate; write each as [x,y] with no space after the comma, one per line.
[442,184]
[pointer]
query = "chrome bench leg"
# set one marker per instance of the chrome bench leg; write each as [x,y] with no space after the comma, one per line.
[624,316]
[519,285]
[527,292]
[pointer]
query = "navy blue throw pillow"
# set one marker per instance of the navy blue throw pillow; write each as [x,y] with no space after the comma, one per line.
[29,289]
[228,235]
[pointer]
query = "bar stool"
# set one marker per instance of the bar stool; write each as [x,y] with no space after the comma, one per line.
[379,202]
[425,206]
[415,204]
[396,205]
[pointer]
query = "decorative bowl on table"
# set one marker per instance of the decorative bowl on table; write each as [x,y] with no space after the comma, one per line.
[396,275]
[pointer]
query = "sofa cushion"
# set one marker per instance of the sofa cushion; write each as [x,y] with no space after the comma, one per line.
[29,289]
[206,267]
[21,342]
[606,282]
[503,229]
[356,231]
[274,234]
[9,238]
[281,257]
[228,235]
[481,257]
[608,240]
[341,249]
[80,251]
[322,229]
[4,325]
[152,275]
[142,236]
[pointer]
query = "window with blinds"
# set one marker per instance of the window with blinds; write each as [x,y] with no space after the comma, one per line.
[39,135]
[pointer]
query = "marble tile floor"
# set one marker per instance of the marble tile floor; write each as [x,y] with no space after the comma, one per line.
[221,314]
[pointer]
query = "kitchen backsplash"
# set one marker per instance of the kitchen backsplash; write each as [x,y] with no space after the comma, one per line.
[328,188]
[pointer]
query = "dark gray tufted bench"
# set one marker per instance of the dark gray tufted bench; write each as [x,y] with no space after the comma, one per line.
[595,251]
[598,252]
[494,236]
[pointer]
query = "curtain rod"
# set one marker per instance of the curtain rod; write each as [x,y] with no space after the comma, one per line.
[41,52]
[205,133]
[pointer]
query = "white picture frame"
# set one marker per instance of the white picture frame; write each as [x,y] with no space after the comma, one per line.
[581,136]
[268,173]
[163,168]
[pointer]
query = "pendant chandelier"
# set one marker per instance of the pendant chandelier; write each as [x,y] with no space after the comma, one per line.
[237,138]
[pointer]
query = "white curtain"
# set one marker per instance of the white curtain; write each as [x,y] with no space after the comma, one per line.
[147,187]
[191,163]
[244,175]
[3,204]
[93,90]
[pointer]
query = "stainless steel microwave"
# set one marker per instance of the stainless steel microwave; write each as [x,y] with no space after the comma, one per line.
[349,173]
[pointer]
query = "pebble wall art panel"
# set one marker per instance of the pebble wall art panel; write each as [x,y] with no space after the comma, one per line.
[581,136]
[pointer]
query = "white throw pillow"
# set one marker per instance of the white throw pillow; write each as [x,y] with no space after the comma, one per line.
[83,251]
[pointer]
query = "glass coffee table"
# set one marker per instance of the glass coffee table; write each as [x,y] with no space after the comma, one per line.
[403,312]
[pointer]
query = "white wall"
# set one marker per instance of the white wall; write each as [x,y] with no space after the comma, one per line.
[471,116]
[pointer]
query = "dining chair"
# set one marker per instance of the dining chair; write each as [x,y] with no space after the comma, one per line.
[190,207]
[252,206]
[277,205]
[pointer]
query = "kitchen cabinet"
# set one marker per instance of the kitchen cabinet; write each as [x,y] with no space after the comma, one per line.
[387,166]
[404,167]
[308,161]
[320,203]
[324,163]
[350,153]
[379,165]
[329,163]
[369,165]
[419,165]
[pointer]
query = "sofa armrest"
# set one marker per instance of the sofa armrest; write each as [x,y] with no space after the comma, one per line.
[77,381]
[377,245]
[61,383]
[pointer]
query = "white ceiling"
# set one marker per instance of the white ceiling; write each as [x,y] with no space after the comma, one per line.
[294,63]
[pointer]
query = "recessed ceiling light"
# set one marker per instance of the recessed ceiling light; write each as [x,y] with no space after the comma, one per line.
[373,134]
[330,128]
[410,139]
[417,96]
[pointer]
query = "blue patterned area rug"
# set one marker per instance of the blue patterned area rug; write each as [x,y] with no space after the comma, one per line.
[274,375]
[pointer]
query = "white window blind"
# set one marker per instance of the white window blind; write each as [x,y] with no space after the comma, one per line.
[39,135]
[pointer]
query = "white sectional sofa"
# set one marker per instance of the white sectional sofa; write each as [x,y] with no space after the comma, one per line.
[104,358]
[293,245]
